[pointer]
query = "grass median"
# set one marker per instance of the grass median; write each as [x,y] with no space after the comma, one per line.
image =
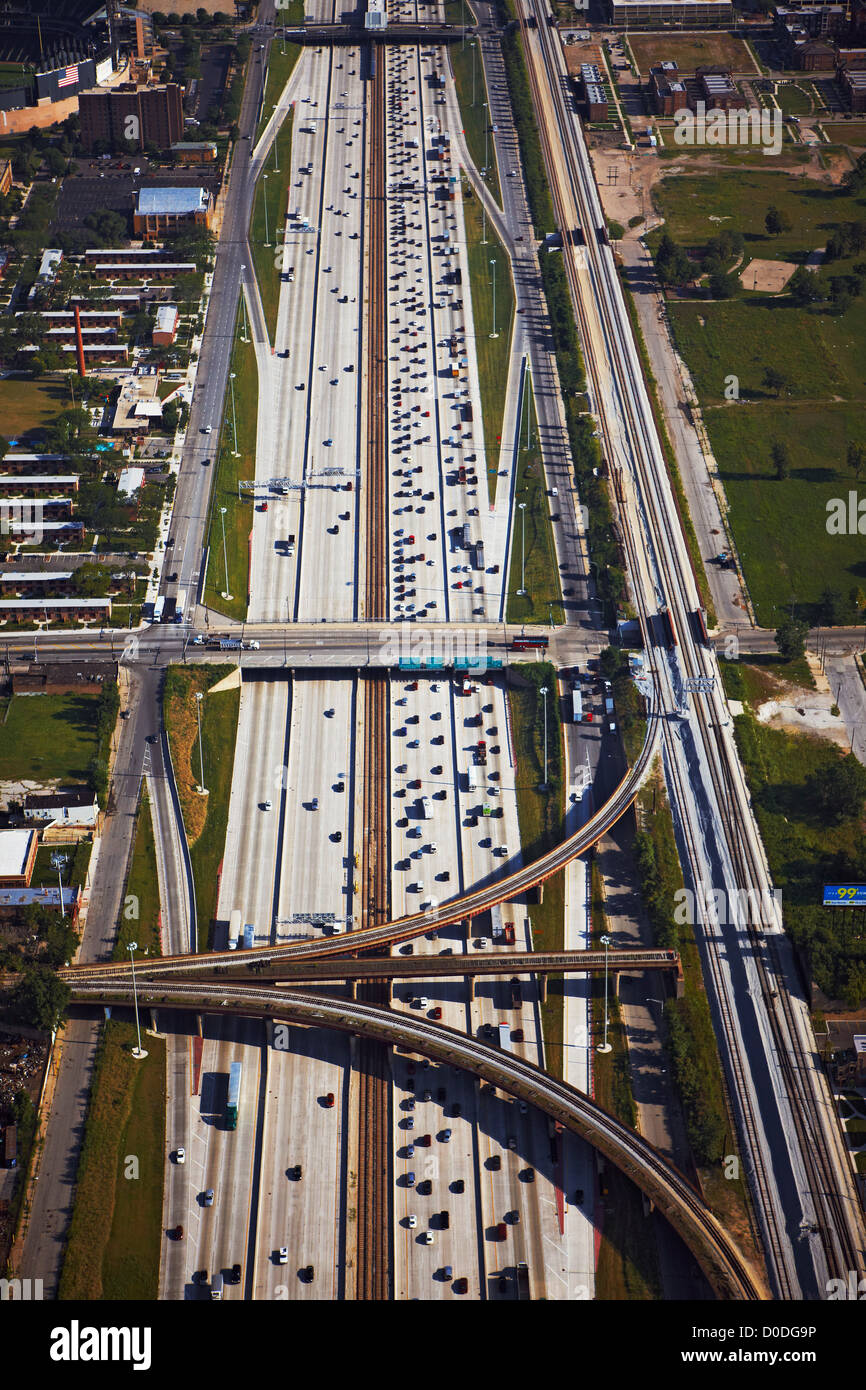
[281,62]
[472,97]
[492,354]
[540,816]
[139,918]
[116,1231]
[205,818]
[531,533]
[268,222]
[230,470]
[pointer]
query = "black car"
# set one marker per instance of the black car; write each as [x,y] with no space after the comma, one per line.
[172,578]
[235,1274]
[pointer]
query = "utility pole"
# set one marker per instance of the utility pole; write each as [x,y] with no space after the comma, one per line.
[138,1053]
[605,1046]
[234,417]
[522,508]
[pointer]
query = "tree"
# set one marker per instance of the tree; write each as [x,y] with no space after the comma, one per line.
[804,287]
[774,380]
[41,998]
[791,638]
[776,221]
[91,581]
[781,459]
[855,458]
[721,285]
[839,790]
[672,263]
[834,609]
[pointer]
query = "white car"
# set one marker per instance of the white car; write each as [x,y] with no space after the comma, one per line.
[413,1221]
[267,805]
[427,1237]
[180,1155]
[283,1256]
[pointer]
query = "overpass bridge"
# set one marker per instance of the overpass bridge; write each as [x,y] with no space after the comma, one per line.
[269,963]
[725,1267]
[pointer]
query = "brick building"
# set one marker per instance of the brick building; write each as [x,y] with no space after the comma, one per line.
[143,115]
[17,857]
[161,211]
[667,90]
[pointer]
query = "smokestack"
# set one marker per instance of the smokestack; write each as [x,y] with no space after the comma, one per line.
[79,342]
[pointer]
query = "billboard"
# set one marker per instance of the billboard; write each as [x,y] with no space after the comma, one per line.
[844,895]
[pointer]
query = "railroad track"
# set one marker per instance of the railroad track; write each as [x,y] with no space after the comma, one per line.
[817,1133]
[373,1277]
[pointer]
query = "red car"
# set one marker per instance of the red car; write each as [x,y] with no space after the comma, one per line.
[436,1012]
[329,1100]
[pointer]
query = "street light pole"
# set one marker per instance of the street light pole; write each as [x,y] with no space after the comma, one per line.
[605,1046]
[494,334]
[486,129]
[234,417]
[265,201]
[203,791]
[473,73]
[244,304]
[543,691]
[137,1052]
[522,507]
[226,593]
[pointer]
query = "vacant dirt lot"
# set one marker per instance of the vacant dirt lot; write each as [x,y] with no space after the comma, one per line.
[769,276]
[690,51]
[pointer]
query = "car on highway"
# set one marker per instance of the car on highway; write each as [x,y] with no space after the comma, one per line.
[180,1155]
[328,1101]
[209,1197]
[283,1255]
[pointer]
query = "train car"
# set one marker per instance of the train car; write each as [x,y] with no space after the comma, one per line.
[669,635]
[602,236]
[699,627]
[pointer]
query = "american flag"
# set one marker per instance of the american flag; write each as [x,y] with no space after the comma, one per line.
[69,77]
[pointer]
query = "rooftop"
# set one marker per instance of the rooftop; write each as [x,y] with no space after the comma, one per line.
[14,852]
[154,202]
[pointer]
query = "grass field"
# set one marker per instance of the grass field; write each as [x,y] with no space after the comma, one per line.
[849,133]
[49,737]
[691,51]
[205,818]
[268,222]
[779,526]
[139,920]
[540,571]
[74,870]
[492,354]
[239,515]
[803,850]
[794,100]
[28,406]
[116,1230]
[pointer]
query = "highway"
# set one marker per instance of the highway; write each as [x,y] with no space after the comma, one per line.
[801,1178]
[724,1266]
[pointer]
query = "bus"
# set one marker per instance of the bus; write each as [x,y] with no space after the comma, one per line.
[157,608]
[523,1280]
[525,643]
[249,935]
[505,1036]
[576,703]
[467,537]
[234,929]
[234,1095]
[181,603]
